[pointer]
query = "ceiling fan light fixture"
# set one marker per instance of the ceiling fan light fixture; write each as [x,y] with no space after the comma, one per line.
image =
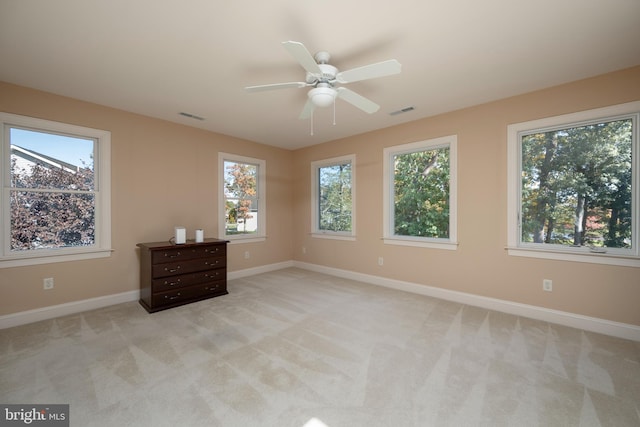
[322,77]
[322,96]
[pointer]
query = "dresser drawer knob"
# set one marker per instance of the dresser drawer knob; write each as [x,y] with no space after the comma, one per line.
[212,263]
[172,254]
[167,283]
[172,270]
[172,297]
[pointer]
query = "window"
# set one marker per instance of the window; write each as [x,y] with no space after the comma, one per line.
[420,193]
[332,196]
[573,186]
[242,202]
[55,203]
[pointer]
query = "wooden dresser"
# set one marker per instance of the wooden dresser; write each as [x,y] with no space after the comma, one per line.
[173,275]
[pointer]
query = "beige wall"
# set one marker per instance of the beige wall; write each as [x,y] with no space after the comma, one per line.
[481,265]
[164,174]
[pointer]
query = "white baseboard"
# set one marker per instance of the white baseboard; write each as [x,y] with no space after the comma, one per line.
[45,313]
[30,316]
[259,270]
[593,324]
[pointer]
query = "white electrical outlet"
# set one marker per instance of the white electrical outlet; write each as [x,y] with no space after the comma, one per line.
[380,261]
[47,283]
[304,250]
[247,255]
[547,285]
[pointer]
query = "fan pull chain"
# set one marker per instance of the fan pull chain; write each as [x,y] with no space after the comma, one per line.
[334,111]
[311,122]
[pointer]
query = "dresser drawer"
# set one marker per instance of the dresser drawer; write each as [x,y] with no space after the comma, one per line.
[219,287]
[190,293]
[187,253]
[189,266]
[174,297]
[175,282]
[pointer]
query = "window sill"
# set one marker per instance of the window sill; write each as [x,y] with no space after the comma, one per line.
[24,261]
[593,258]
[433,244]
[334,236]
[253,239]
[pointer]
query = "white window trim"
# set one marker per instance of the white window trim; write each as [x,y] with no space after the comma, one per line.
[102,162]
[328,234]
[514,245]
[262,199]
[450,141]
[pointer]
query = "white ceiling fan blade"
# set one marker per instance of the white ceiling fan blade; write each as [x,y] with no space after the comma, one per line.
[372,71]
[307,110]
[275,86]
[359,101]
[302,55]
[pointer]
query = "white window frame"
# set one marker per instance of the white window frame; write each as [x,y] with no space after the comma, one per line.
[450,243]
[102,167]
[315,198]
[261,197]
[515,246]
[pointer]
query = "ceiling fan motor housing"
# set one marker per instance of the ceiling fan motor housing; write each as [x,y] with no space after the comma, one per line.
[329,73]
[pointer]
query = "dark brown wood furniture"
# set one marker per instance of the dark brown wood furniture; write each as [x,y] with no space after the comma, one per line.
[173,275]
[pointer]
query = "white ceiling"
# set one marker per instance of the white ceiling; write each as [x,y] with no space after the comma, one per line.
[162,57]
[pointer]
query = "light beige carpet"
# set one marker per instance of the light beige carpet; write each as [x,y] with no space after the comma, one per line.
[292,347]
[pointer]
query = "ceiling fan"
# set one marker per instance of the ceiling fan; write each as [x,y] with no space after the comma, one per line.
[324,79]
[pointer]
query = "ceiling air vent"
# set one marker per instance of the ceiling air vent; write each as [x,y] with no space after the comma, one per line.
[401,111]
[191,116]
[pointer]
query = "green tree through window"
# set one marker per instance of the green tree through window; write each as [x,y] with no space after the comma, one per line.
[577,185]
[335,198]
[421,193]
[333,189]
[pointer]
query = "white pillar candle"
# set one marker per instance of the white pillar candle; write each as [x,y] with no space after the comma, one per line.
[180,235]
